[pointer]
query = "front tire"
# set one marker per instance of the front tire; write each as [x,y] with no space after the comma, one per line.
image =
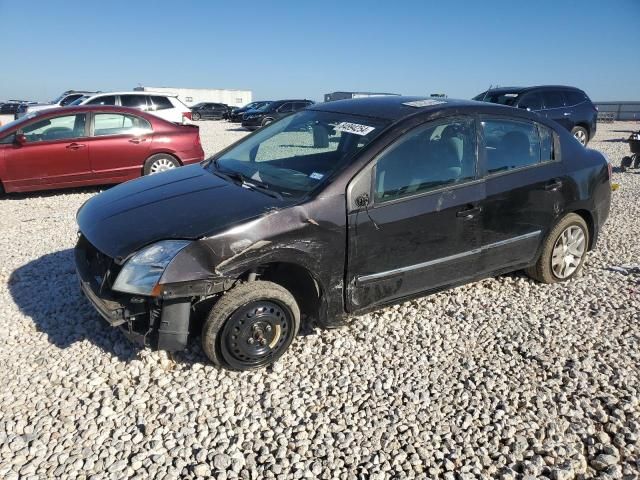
[195,116]
[251,326]
[267,121]
[581,134]
[563,252]
[160,162]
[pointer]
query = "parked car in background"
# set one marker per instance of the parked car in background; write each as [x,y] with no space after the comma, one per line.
[569,106]
[9,107]
[162,105]
[66,98]
[272,111]
[336,210]
[210,111]
[237,113]
[91,145]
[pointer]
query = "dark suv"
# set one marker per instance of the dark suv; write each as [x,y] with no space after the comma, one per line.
[213,111]
[271,111]
[569,106]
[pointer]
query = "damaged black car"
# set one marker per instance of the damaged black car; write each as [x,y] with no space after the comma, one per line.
[333,211]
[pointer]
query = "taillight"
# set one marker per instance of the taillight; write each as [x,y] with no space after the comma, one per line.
[186,115]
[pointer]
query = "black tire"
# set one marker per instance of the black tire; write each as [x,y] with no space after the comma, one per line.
[543,270]
[195,116]
[244,320]
[581,134]
[625,163]
[266,121]
[636,160]
[154,162]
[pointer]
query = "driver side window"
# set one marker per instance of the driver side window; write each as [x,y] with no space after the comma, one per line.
[57,128]
[427,158]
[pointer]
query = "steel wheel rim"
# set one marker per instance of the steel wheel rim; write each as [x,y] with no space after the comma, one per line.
[568,251]
[256,334]
[581,136]
[161,165]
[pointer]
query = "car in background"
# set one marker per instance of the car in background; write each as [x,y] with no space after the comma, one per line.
[66,98]
[272,111]
[569,106]
[334,211]
[237,113]
[91,145]
[210,111]
[162,105]
[10,107]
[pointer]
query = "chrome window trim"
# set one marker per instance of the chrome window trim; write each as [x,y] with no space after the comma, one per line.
[419,266]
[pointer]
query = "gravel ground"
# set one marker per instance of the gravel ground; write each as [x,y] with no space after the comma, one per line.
[503,378]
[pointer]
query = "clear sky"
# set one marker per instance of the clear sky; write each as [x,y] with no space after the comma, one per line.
[308,48]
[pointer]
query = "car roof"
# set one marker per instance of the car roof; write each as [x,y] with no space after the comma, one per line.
[93,108]
[534,87]
[398,107]
[102,94]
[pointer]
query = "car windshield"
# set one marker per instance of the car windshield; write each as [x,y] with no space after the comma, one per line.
[295,155]
[503,98]
[263,108]
[80,100]
[57,100]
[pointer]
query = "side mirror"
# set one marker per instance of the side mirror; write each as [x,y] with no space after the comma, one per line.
[20,139]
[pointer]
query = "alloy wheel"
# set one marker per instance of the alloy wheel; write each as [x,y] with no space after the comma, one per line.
[568,252]
[581,136]
[161,165]
[255,334]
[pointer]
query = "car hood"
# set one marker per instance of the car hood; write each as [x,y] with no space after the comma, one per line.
[185,203]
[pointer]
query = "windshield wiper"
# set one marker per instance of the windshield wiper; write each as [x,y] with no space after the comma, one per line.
[247,182]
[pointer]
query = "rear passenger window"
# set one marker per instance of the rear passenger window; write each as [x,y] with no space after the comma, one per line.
[547,151]
[106,100]
[161,103]
[134,101]
[427,158]
[510,144]
[532,101]
[574,97]
[553,99]
[118,124]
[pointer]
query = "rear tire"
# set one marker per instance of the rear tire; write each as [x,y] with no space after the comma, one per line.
[636,160]
[251,326]
[581,134]
[195,116]
[567,245]
[160,162]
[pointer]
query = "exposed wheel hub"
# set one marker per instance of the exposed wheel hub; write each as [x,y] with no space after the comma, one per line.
[568,251]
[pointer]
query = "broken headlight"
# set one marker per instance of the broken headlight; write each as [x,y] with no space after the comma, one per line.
[142,272]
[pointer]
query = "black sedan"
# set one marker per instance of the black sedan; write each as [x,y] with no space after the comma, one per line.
[272,111]
[237,113]
[336,210]
[210,111]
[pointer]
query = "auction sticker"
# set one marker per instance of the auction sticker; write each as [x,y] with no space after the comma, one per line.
[355,128]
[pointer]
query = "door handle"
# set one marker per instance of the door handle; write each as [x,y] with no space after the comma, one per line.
[469,212]
[137,140]
[553,185]
[75,146]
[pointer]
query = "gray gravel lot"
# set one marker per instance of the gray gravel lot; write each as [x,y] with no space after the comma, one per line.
[503,378]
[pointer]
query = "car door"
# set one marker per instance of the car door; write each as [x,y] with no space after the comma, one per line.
[55,154]
[525,189]
[119,145]
[555,108]
[420,229]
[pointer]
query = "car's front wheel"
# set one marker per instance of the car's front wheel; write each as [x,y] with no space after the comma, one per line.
[251,326]
[581,134]
[267,121]
[195,116]
[563,252]
[160,162]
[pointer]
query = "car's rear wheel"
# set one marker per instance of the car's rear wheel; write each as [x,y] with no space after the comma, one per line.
[563,252]
[195,116]
[251,326]
[581,134]
[160,162]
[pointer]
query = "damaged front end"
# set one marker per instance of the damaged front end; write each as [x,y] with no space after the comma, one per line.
[159,319]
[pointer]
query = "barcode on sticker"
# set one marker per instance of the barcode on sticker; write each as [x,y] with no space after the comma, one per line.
[354,128]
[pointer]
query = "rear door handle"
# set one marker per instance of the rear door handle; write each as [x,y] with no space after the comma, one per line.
[553,185]
[137,140]
[469,212]
[75,146]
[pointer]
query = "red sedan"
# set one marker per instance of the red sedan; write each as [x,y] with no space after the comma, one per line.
[91,145]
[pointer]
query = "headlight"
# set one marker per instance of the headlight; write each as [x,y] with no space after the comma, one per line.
[142,272]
